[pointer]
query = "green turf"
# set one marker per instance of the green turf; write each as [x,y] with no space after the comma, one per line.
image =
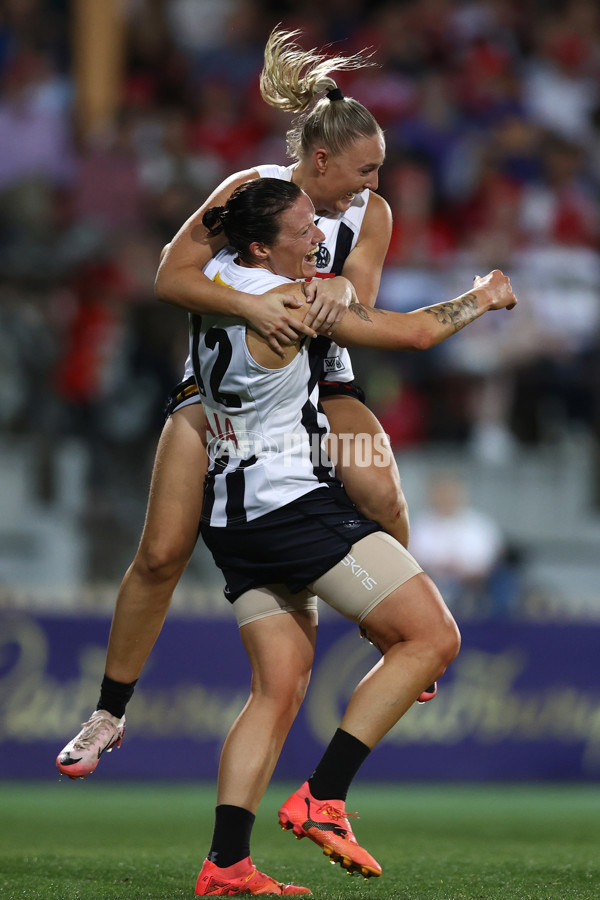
[96,840]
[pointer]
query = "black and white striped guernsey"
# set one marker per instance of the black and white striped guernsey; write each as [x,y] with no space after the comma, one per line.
[265,428]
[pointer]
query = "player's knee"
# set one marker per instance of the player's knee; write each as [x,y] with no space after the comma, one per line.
[451,643]
[445,646]
[159,561]
[286,692]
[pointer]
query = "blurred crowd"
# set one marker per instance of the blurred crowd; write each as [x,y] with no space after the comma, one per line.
[491,111]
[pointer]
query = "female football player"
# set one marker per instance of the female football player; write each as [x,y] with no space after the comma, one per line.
[283,531]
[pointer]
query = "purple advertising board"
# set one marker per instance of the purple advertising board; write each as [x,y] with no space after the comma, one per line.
[522,701]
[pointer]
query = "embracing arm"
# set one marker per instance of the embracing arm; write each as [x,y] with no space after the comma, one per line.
[181,281]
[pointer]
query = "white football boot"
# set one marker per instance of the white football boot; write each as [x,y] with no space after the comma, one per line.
[101,732]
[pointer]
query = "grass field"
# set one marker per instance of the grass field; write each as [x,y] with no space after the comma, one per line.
[99,841]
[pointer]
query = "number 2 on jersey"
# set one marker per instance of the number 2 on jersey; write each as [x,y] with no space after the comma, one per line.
[214,337]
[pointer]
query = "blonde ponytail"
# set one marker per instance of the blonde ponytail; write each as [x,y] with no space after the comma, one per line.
[292,79]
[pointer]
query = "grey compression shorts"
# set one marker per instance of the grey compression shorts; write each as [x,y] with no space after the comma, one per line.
[374,567]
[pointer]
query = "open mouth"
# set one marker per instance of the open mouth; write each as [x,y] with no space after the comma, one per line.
[311,258]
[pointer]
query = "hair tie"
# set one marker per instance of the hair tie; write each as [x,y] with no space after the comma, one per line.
[334,94]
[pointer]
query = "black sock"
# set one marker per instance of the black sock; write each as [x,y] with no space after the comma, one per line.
[114,696]
[339,764]
[231,837]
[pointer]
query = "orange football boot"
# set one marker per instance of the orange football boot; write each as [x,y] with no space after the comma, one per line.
[241,878]
[326,823]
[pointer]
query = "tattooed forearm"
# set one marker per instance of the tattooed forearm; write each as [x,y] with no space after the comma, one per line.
[359,310]
[457,313]
[363,312]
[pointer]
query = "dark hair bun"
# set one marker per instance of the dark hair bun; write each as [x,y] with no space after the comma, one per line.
[213,219]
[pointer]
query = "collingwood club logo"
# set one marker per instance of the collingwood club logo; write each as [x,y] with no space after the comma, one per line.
[323,257]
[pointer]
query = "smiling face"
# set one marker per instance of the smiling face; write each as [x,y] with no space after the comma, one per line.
[343,176]
[294,252]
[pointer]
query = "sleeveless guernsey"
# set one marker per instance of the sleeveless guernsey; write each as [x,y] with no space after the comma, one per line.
[264,426]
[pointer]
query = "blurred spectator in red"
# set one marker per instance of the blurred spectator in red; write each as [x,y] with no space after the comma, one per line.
[490,221]
[222,125]
[399,405]
[421,236]
[560,79]
[93,335]
[564,207]
[486,81]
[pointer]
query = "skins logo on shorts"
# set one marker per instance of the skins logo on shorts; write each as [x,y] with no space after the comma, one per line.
[357,570]
[323,257]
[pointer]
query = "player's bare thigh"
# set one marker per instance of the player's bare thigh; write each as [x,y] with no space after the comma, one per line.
[366,466]
[281,652]
[413,611]
[177,485]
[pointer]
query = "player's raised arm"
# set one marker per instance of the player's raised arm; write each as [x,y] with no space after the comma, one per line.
[426,327]
[413,331]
